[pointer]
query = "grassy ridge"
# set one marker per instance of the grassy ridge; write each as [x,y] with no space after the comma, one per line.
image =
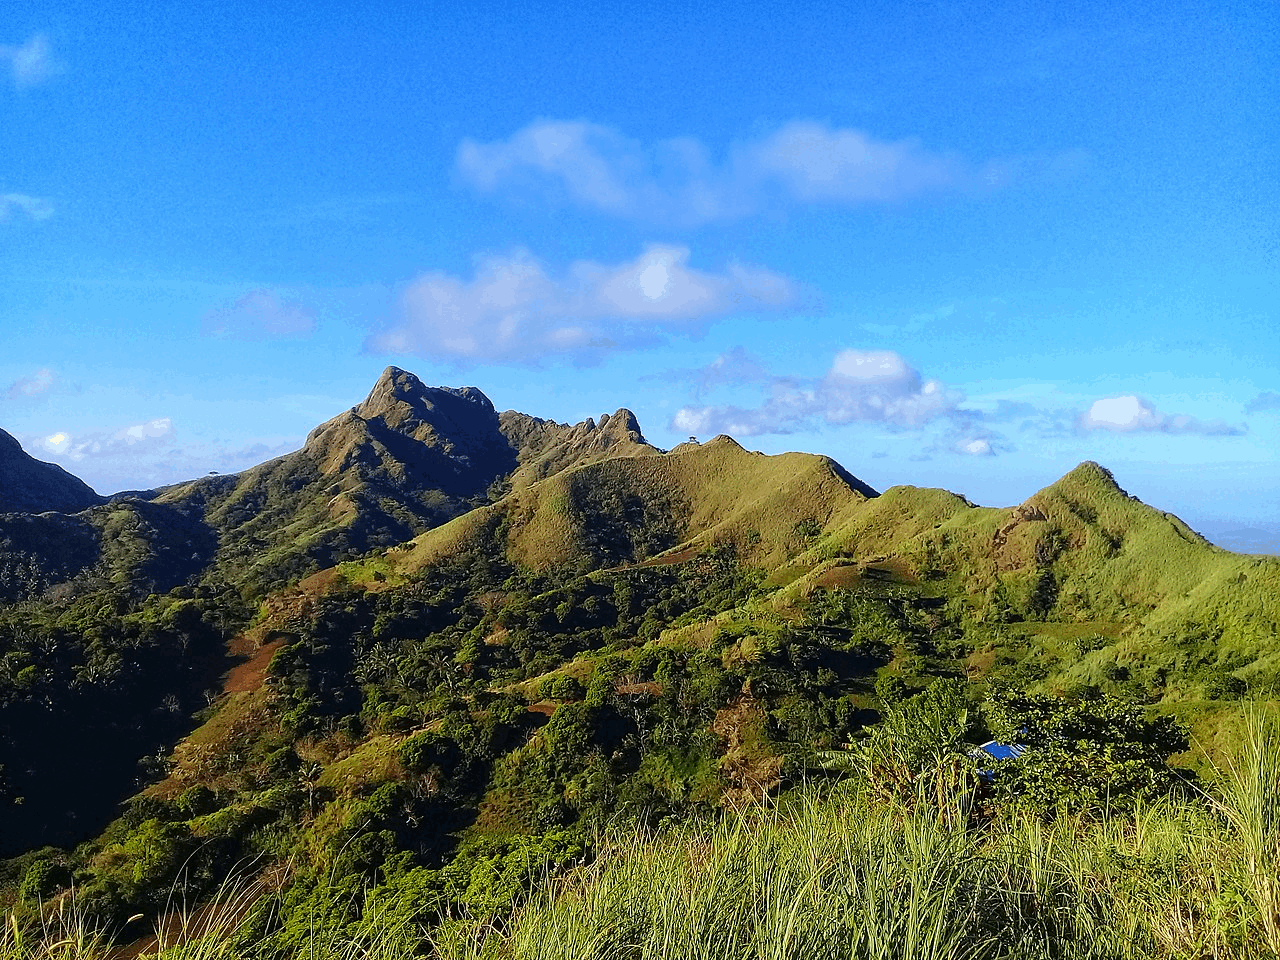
[1082,551]
[637,507]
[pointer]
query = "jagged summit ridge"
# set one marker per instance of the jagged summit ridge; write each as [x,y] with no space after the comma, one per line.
[545,447]
[618,427]
[398,392]
[445,438]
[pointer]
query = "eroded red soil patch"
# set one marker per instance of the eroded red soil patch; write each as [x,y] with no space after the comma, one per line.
[250,675]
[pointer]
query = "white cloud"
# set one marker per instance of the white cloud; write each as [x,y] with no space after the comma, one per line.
[32,386]
[33,207]
[978,447]
[876,386]
[1128,414]
[677,181]
[1121,413]
[260,315]
[513,310]
[126,442]
[31,63]
[814,163]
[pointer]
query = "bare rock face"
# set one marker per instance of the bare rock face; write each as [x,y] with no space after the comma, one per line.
[28,485]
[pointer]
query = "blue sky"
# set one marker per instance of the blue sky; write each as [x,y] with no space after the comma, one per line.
[962,246]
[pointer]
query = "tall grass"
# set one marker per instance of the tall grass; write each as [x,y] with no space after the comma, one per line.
[841,877]
[60,933]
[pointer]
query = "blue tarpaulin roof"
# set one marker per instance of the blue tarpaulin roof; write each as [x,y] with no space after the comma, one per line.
[1002,751]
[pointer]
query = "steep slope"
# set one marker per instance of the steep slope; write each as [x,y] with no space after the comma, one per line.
[1107,551]
[28,485]
[1160,601]
[55,529]
[545,447]
[126,545]
[406,459]
[656,507]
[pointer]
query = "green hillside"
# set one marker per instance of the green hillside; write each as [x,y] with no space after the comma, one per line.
[1166,614]
[441,655]
[657,508]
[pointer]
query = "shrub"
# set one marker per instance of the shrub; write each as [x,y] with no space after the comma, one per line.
[1085,755]
[425,750]
[42,879]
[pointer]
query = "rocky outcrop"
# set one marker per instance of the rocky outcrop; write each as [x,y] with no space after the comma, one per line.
[408,435]
[545,448]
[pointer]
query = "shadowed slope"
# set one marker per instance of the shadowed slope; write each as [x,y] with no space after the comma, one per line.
[28,485]
[405,459]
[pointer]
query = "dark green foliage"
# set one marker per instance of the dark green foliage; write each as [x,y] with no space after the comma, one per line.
[1087,755]
[425,750]
[43,878]
[436,741]
[919,752]
[132,672]
[622,521]
[891,689]
[562,687]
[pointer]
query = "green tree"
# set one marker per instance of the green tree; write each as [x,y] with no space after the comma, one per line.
[1082,755]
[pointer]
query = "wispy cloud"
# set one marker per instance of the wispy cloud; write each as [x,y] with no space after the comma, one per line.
[734,367]
[33,385]
[31,63]
[1132,414]
[150,454]
[513,310]
[876,386]
[34,207]
[126,442]
[1266,401]
[260,315]
[678,181]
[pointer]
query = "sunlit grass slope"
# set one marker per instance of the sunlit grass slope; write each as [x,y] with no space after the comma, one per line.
[638,508]
[1081,551]
[812,877]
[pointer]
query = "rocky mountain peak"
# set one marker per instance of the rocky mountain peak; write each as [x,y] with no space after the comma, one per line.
[399,398]
[622,425]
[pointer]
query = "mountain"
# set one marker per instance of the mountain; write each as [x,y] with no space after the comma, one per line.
[545,447]
[28,485]
[440,643]
[406,459]
[127,545]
